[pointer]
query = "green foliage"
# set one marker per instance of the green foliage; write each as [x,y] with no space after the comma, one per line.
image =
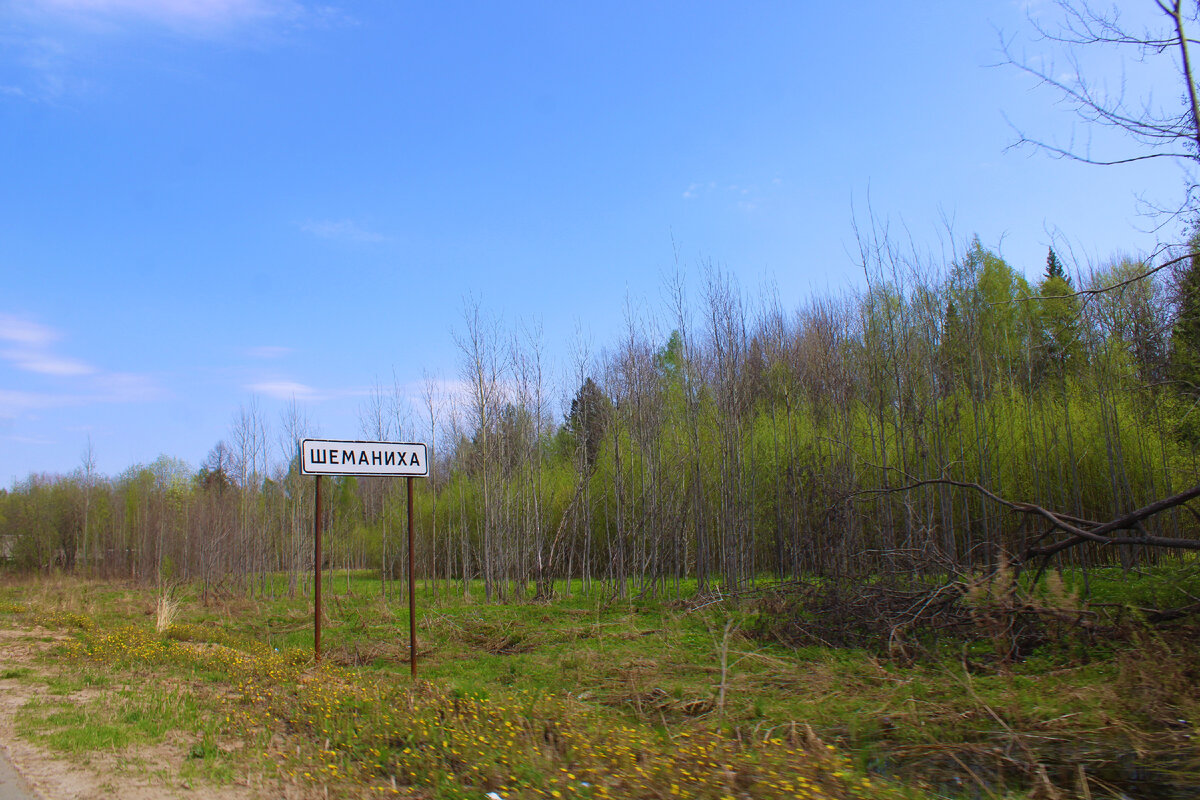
[781,448]
[1185,335]
[1054,268]
[531,698]
[506,727]
[990,326]
[1059,348]
[1129,323]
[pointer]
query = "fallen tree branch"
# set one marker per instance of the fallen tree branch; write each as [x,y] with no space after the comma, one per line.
[1080,530]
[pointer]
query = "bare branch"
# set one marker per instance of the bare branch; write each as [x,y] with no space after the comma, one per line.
[1168,135]
[1098,533]
[1103,289]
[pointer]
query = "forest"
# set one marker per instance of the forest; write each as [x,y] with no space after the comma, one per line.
[915,426]
[930,534]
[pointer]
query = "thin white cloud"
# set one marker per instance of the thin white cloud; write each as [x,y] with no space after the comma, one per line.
[747,198]
[444,390]
[268,351]
[344,229]
[114,388]
[25,332]
[123,387]
[55,42]
[46,363]
[15,403]
[697,189]
[98,20]
[33,352]
[178,13]
[31,440]
[1031,8]
[284,390]
[32,349]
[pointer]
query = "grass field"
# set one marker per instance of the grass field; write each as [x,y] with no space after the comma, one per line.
[585,696]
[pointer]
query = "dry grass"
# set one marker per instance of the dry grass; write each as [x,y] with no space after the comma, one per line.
[962,715]
[165,613]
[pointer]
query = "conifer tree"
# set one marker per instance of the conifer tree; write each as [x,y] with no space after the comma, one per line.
[1057,317]
[1054,268]
[588,418]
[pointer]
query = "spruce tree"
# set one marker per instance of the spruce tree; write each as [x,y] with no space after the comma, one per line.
[1056,322]
[589,416]
[1054,267]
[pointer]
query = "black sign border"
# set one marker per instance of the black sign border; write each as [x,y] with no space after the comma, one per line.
[339,474]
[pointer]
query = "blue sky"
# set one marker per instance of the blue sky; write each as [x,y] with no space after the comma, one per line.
[205,201]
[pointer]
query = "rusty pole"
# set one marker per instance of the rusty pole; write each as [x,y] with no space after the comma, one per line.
[317,576]
[412,590]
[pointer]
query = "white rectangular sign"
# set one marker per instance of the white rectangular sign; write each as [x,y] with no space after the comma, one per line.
[343,457]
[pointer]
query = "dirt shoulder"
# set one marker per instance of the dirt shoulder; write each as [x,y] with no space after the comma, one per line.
[12,785]
[147,774]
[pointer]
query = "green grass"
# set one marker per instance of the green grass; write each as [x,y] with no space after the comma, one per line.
[69,728]
[651,669]
[124,719]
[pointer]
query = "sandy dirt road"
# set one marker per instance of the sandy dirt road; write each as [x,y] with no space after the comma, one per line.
[12,785]
[29,772]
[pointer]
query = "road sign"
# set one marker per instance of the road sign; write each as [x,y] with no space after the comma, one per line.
[352,457]
[344,457]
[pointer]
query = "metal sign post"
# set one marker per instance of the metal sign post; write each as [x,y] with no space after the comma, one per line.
[412,594]
[317,576]
[321,457]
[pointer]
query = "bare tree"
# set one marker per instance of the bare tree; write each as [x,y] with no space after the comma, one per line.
[374,418]
[1150,130]
[88,473]
[378,423]
[249,445]
[1147,129]
[530,390]
[294,425]
[579,510]
[433,398]
[401,409]
[482,369]
[690,376]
